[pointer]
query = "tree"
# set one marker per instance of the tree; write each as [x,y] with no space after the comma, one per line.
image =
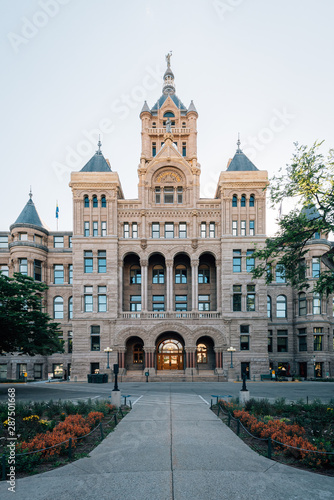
[24,327]
[309,181]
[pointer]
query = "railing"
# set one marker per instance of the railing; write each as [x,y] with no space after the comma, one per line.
[162,131]
[170,315]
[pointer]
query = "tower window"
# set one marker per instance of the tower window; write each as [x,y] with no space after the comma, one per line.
[126,230]
[103,202]
[234,228]
[243,201]
[234,201]
[95,203]
[184,124]
[154,125]
[158,275]
[251,228]
[154,148]
[155,230]
[182,230]
[169,230]
[169,114]
[86,201]
[157,195]
[251,200]
[212,230]
[95,228]
[180,274]
[184,149]
[169,195]
[180,194]
[203,230]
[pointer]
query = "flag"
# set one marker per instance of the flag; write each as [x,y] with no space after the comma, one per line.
[57,211]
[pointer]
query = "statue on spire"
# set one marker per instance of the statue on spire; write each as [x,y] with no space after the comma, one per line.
[168,56]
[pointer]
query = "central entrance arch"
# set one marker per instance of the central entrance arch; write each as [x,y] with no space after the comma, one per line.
[170,352]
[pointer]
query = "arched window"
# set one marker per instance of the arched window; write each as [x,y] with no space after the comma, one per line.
[203,274]
[70,308]
[169,114]
[269,306]
[243,201]
[251,200]
[180,274]
[138,354]
[58,308]
[95,204]
[135,275]
[103,202]
[234,201]
[202,353]
[158,275]
[281,306]
[302,305]
[154,125]
[184,124]
[86,201]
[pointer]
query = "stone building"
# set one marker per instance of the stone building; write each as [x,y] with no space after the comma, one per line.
[165,280]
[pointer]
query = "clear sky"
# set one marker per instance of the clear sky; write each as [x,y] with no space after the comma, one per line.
[263,68]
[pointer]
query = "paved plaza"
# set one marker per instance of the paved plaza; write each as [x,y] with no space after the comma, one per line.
[172,447]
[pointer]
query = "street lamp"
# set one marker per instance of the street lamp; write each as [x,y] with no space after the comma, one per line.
[231,350]
[108,350]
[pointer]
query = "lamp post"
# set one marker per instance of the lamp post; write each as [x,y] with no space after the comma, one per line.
[231,350]
[108,350]
[314,367]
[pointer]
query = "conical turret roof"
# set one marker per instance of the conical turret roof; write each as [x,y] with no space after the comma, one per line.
[29,215]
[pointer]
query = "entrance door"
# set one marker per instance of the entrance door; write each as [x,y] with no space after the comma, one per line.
[170,355]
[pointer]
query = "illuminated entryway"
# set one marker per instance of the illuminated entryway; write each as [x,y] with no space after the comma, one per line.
[170,354]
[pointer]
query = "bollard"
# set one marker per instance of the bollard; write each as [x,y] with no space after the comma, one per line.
[70,449]
[238,427]
[229,419]
[115,418]
[101,431]
[3,467]
[269,448]
[218,411]
[211,405]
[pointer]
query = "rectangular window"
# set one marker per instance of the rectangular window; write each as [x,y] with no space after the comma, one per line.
[102,261]
[58,274]
[180,302]
[204,302]
[203,275]
[88,299]
[282,340]
[237,261]
[135,276]
[88,261]
[184,149]
[243,228]
[95,338]
[250,261]
[234,228]
[70,342]
[237,295]
[134,230]
[169,230]
[158,302]
[182,230]
[250,306]
[168,195]
[23,266]
[203,230]
[58,241]
[126,230]
[95,228]
[3,371]
[315,267]
[251,228]
[38,371]
[316,303]
[154,148]
[102,299]
[155,230]
[244,342]
[37,270]
[158,275]
[86,228]
[103,228]
[23,236]
[180,275]
[280,274]
[4,270]
[70,242]
[212,230]
[270,341]
[135,303]
[3,241]
[302,339]
[180,194]
[157,195]
[70,274]
[317,339]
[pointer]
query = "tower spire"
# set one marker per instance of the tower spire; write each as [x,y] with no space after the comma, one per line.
[30,193]
[99,144]
[238,144]
[168,86]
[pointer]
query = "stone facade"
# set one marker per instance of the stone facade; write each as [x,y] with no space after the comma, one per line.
[165,280]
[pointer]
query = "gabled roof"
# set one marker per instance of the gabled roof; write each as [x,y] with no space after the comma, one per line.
[174,98]
[29,215]
[240,163]
[96,164]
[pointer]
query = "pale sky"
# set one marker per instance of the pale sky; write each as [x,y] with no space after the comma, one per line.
[263,68]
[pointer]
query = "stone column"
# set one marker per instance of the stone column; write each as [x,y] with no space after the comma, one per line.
[194,284]
[190,360]
[150,361]
[120,286]
[219,360]
[144,273]
[169,288]
[218,286]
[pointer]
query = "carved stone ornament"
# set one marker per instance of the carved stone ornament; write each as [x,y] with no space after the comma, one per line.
[194,244]
[168,176]
[143,244]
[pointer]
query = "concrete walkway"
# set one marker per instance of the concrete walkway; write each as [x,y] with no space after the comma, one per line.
[172,447]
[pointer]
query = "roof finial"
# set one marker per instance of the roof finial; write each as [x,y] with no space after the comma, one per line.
[238,144]
[99,152]
[30,193]
[168,56]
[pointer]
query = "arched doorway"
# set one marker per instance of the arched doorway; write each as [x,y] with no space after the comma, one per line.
[205,353]
[134,355]
[170,352]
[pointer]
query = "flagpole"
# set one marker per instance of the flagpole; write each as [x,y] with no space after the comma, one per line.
[57,214]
